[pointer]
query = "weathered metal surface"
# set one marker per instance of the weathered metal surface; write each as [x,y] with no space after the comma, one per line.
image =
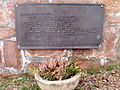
[52,26]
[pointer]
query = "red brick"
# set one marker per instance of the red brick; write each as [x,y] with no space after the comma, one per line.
[0,57]
[82,52]
[84,63]
[113,19]
[12,55]
[111,37]
[50,53]
[89,53]
[111,5]
[7,33]
[6,74]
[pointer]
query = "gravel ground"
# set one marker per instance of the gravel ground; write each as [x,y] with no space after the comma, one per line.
[103,78]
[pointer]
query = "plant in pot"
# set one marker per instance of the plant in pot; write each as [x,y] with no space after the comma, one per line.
[58,74]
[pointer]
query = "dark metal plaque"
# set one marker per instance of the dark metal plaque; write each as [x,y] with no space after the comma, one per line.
[53,26]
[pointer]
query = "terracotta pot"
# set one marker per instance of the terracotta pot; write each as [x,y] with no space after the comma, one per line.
[68,84]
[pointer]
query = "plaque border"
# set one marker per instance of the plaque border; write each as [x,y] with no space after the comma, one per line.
[80,47]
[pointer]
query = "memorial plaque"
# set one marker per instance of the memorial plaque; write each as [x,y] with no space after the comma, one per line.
[59,26]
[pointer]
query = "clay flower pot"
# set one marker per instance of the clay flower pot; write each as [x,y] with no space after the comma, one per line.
[68,84]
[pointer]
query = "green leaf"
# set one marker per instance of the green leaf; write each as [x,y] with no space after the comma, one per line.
[90,70]
[34,87]
[23,87]
[3,86]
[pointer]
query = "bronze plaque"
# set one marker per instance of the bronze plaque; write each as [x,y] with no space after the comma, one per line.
[59,26]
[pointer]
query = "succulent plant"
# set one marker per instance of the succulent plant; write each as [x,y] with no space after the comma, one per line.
[58,69]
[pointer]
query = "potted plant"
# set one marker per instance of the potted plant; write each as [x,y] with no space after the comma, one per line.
[58,74]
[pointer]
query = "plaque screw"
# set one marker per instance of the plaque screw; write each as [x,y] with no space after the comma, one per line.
[16,5]
[101,6]
[100,45]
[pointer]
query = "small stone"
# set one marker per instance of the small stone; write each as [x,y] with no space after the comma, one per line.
[12,56]
[7,33]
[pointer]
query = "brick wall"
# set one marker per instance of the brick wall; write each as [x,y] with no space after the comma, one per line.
[14,61]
